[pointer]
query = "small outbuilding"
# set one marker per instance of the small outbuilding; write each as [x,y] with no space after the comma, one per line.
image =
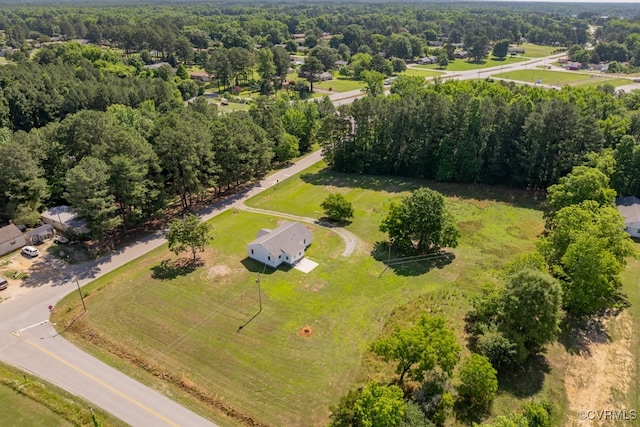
[285,244]
[40,234]
[11,239]
[629,208]
[64,219]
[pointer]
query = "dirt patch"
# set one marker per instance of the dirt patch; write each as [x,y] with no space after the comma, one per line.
[306,332]
[316,287]
[219,271]
[594,378]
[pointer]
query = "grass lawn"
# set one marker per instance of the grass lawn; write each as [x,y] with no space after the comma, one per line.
[233,106]
[183,324]
[599,81]
[548,77]
[414,71]
[538,51]
[340,84]
[466,65]
[31,402]
[630,398]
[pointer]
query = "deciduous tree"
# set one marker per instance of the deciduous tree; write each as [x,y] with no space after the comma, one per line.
[337,208]
[188,233]
[478,384]
[428,345]
[421,221]
[380,406]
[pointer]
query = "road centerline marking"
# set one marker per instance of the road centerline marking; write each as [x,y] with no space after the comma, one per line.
[105,385]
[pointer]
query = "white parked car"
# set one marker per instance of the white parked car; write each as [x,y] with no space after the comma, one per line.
[30,251]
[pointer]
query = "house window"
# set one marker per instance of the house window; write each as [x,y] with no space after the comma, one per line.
[279,256]
[287,258]
[305,241]
[299,253]
[269,258]
[251,251]
[13,241]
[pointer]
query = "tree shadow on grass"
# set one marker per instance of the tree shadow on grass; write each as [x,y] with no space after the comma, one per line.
[258,267]
[169,270]
[410,263]
[525,380]
[466,413]
[396,184]
[579,334]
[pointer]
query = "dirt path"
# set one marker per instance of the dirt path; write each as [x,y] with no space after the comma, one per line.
[601,375]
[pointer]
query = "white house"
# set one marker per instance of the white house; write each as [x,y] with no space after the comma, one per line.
[286,243]
[64,219]
[629,208]
[11,239]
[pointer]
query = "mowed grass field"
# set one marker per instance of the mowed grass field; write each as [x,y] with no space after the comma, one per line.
[466,64]
[422,72]
[601,80]
[197,330]
[340,84]
[546,76]
[538,51]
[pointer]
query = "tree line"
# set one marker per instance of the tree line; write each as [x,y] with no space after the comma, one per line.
[117,141]
[482,131]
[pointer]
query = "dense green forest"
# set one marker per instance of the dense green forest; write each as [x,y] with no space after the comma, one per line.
[485,132]
[99,117]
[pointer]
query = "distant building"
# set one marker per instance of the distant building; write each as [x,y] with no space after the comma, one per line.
[573,66]
[64,219]
[427,60]
[629,208]
[39,234]
[460,54]
[201,75]
[11,239]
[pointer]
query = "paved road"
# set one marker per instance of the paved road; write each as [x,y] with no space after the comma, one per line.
[29,341]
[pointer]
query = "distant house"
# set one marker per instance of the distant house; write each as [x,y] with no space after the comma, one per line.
[572,66]
[341,63]
[156,65]
[40,234]
[516,50]
[64,219]
[435,43]
[201,75]
[460,54]
[427,60]
[321,77]
[629,208]
[11,239]
[285,244]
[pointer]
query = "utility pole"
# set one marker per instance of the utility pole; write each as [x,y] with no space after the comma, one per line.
[259,293]
[81,297]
